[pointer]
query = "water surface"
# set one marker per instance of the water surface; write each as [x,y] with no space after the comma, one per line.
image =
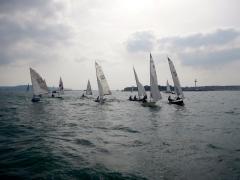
[77,138]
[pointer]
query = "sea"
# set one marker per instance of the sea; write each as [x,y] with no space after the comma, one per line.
[75,138]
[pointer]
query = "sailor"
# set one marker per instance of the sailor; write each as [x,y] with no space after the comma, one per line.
[169,98]
[130,98]
[97,100]
[83,95]
[178,98]
[135,98]
[144,99]
[53,95]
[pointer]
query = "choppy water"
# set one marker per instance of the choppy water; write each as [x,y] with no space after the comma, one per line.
[80,139]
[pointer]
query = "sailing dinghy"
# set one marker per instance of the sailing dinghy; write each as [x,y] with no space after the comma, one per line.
[103,88]
[168,89]
[88,90]
[177,87]
[155,94]
[39,85]
[141,90]
[60,88]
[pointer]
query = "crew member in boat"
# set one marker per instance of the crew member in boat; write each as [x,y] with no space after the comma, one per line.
[144,99]
[130,98]
[97,100]
[169,98]
[135,98]
[83,95]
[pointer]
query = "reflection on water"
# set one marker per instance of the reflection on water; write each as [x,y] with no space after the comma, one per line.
[76,138]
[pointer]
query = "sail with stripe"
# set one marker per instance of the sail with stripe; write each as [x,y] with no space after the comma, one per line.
[103,87]
[39,85]
[141,90]
[155,93]
[177,86]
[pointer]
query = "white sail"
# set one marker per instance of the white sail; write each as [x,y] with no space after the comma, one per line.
[155,93]
[177,86]
[38,84]
[168,89]
[103,87]
[89,89]
[61,89]
[141,90]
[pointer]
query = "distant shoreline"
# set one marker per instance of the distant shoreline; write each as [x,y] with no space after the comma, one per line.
[198,88]
[147,88]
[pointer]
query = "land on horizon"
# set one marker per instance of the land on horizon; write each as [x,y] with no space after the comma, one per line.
[133,88]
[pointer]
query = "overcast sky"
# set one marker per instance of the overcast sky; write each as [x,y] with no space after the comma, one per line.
[64,38]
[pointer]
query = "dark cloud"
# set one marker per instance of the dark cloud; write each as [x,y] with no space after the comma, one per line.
[219,37]
[141,42]
[197,50]
[29,31]
[203,50]
[210,58]
[43,7]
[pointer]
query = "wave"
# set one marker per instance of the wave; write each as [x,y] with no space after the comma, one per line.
[125,129]
[84,142]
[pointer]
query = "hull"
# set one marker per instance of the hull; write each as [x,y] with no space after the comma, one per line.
[178,102]
[101,101]
[139,100]
[35,99]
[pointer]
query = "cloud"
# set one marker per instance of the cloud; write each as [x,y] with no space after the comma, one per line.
[140,42]
[210,58]
[30,31]
[204,50]
[44,7]
[219,37]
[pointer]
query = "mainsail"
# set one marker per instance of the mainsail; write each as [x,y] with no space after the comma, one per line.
[103,87]
[155,93]
[141,90]
[61,89]
[38,84]
[177,86]
[168,89]
[89,89]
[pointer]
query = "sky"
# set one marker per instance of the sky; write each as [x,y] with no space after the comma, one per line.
[65,38]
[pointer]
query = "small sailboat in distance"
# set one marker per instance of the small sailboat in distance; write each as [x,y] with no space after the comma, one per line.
[141,90]
[177,87]
[103,88]
[155,94]
[39,85]
[168,90]
[60,88]
[89,89]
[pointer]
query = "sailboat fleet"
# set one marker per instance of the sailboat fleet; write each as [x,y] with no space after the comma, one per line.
[40,88]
